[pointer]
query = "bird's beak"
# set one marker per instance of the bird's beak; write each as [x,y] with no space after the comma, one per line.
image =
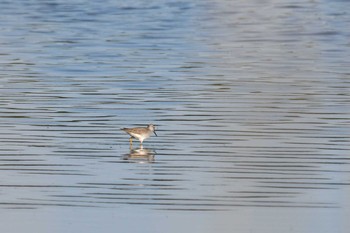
[155,133]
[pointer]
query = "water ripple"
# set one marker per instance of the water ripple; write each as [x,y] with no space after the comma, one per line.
[250,101]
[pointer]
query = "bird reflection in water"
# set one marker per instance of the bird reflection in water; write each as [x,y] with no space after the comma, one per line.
[141,155]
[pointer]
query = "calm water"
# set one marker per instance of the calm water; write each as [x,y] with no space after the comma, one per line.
[251,99]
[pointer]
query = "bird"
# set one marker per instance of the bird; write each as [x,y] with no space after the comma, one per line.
[140,133]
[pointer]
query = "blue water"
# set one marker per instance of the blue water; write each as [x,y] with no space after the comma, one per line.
[250,99]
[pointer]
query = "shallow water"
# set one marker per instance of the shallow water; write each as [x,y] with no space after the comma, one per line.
[250,99]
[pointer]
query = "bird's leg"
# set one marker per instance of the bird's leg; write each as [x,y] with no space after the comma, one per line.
[130,140]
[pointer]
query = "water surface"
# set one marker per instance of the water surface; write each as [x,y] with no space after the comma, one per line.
[250,99]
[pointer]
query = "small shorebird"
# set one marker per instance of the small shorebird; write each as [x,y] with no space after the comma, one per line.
[140,133]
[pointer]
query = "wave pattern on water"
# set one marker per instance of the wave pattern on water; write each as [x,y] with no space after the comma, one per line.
[253,116]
